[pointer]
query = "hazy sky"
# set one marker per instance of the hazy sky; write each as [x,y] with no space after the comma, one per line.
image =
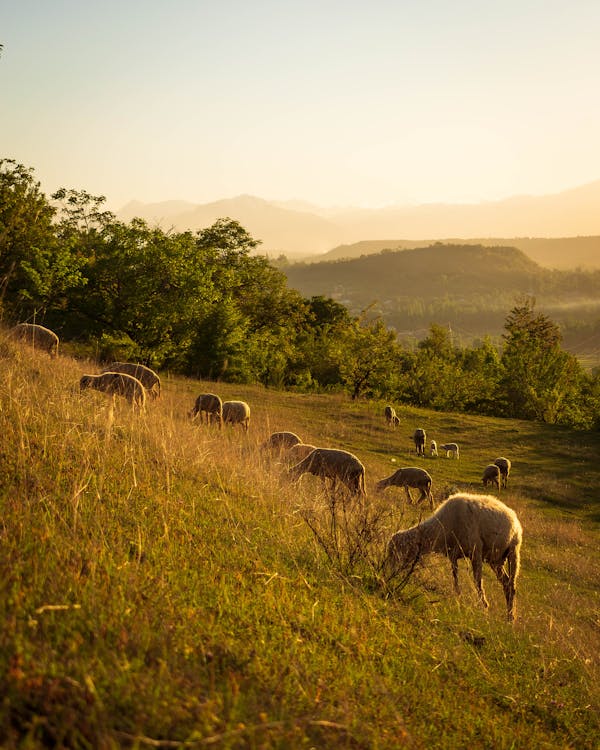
[365,103]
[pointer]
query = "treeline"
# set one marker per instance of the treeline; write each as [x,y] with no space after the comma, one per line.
[203,304]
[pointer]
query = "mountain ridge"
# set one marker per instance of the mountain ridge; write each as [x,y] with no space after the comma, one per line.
[293,229]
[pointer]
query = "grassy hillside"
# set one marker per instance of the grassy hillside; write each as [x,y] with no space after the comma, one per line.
[162,588]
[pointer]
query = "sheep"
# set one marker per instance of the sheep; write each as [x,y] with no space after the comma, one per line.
[119,383]
[504,465]
[491,475]
[38,336]
[208,404]
[450,448]
[281,440]
[434,450]
[237,412]
[478,527]
[391,418]
[410,476]
[419,438]
[147,377]
[333,464]
[299,451]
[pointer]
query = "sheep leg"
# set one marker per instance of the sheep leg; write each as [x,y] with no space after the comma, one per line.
[507,579]
[477,564]
[454,563]
[408,497]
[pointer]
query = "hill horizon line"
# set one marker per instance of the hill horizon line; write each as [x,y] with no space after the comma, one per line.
[300,230]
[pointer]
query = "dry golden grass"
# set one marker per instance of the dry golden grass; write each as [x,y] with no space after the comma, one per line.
[162,586]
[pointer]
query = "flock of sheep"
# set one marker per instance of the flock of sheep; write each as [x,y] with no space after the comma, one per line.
[478,527]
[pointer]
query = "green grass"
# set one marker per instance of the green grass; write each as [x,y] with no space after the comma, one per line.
[161,587]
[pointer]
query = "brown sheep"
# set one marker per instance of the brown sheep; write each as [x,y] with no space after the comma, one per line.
[38,336]
[118,383]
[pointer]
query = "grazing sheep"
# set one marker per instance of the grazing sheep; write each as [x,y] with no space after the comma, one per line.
[477,527]
[147,377]
[119,383]
[410,476]
[333,464]
[38,336]
[281,440]
[391,418]
[237,412]
[504,465]
[208,404]
[491,475]
[434,450]
[299,451]
[420,437]
[450,448]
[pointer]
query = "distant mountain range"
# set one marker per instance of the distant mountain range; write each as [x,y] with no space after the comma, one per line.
[300,230]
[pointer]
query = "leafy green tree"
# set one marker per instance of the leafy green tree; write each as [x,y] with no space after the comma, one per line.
[370,355]
[36,269]
[538,375]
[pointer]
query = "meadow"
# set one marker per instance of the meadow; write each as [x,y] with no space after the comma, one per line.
[162,585]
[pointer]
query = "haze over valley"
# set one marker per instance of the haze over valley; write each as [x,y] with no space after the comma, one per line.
[301,231]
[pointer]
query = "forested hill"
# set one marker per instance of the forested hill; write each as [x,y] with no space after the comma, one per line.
[550,252]
[467,285]
[424,272]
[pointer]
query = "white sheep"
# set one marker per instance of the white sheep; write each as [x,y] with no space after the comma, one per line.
[504,465]
[209,405]
[491,475]
[391,418]
[477,527]
[434,449]
[410,476]
[119,383]
[333,464]
[38,336]
[237,412]
[419,438]
[281,440]
[450,448]
[147,377]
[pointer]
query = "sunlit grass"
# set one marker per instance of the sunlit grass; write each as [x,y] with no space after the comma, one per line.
[161,584]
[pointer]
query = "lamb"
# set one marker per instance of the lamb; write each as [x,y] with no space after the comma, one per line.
[333,464]
[38,336]
[450,448]
[420,437]
[391,418]
[434,450]
[491,475]
[477,527]
[504,465]
[410,476]
[119,383]
[208,404]
[147,377]
[281,440]
[237,412]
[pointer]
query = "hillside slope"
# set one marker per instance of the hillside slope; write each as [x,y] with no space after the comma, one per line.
[162,585]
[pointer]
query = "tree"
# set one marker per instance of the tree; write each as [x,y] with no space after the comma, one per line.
[369,356]
[537,374]
[35,269]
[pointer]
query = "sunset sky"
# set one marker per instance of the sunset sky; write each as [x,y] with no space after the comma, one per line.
[362,103]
